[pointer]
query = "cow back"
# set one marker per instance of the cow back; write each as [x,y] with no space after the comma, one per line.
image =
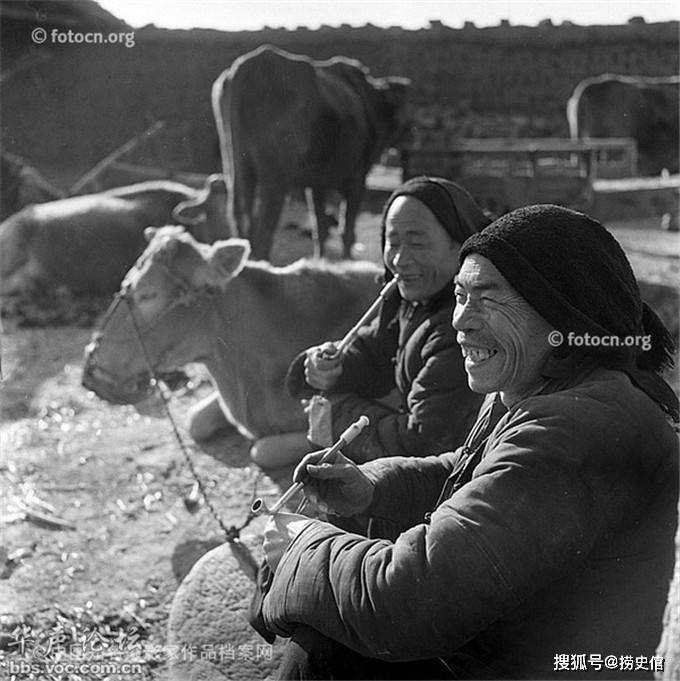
[274,105]
[154,200]
[645,109]
[85,243]
[306,121]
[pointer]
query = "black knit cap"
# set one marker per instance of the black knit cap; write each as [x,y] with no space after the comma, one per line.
[574,273]
[457,212]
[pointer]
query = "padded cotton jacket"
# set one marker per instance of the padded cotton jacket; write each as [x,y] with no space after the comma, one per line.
[550,534]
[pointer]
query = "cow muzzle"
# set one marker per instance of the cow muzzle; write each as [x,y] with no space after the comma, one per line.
[129,391]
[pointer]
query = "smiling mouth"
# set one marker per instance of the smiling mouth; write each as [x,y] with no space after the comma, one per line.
[478,355]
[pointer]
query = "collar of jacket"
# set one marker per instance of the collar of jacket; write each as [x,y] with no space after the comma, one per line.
[395,303]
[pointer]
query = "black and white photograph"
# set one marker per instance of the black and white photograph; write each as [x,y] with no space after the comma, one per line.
[339,340]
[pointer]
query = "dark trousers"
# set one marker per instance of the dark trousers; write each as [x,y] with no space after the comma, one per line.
[309,655]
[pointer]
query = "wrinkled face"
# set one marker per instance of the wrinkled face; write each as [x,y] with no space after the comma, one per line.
[503,339]
[418,249]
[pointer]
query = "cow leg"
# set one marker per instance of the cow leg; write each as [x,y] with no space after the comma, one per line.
[353,198]
[321,221]
[245,183]
[206,418]
[264,227]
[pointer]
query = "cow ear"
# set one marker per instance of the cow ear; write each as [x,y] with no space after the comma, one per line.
[149,233]
[229,257]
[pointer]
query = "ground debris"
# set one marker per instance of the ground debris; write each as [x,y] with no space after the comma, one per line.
[40,512]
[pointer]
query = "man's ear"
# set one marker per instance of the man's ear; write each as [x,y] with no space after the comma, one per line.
[228,258]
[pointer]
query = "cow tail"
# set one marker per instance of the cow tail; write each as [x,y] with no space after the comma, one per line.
[221,90]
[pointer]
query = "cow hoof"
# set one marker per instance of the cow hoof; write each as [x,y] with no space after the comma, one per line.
[208,617]
[670,223]
[206,419]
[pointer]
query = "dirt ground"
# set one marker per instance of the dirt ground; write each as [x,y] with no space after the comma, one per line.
[117,482]
[95,529]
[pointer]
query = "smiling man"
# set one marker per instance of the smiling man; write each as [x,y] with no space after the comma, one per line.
[504,341]
[410,350]
[544,545]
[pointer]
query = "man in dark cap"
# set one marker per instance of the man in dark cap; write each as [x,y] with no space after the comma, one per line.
[543,547]
[410,348]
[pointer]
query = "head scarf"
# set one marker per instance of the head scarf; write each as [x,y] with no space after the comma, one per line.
[454,208]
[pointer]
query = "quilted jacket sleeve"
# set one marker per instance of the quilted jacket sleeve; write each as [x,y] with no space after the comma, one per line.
[367,367]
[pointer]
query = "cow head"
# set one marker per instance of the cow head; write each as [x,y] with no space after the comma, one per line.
[206,213]
[396,94]
[160,320]
[22,185]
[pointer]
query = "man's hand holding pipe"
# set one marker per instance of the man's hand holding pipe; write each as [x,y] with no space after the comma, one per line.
[339,486]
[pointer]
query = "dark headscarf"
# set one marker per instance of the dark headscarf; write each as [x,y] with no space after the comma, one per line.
[574,273]
[454,208]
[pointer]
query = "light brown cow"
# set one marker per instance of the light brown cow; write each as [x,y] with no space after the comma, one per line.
[245,321]
[87,243]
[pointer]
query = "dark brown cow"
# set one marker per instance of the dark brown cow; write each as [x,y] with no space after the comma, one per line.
[645,109]
[286,121]
[22,185]
[85,243]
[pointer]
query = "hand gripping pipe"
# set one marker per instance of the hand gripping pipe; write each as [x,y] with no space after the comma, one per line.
[260,508]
